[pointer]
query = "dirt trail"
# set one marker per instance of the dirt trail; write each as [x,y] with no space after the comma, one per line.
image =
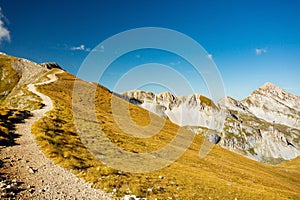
[36,176]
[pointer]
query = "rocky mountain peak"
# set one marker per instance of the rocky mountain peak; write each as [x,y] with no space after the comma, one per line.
[139,95]
[272,103]
[275,92]
[270,87]
[167,96]
[230,103]
[272,91]
[50,65]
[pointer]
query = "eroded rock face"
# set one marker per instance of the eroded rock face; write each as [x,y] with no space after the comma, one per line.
[256,135]
[192,110]
[28,71]
[265,126]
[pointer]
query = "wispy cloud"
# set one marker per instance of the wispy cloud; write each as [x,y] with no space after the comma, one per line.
[98,49]
[4,32]
[80,48]
[259,51]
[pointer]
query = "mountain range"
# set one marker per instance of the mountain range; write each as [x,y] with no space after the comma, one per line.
[265,126]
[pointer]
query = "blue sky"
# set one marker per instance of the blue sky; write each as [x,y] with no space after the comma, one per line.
[251,42]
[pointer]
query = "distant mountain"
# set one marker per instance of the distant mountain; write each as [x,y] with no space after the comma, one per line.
[194,110]
[265,126]
[256,137]
[273,104]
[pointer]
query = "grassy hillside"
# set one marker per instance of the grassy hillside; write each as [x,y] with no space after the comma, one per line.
[8,76]
[291,165]
[15,75]
[220,175]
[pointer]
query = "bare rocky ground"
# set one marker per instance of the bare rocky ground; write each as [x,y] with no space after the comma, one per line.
[26,173]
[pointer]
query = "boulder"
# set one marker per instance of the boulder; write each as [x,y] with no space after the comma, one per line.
[214,138]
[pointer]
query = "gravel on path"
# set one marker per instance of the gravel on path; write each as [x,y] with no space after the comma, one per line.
[31,175]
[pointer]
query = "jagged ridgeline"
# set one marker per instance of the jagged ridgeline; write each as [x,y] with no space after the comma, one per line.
[222,174]
[265,126]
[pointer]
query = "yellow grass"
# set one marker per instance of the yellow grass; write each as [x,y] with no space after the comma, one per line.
[8,77]
[220,175]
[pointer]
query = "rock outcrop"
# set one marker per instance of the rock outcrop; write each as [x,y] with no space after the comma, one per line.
[51,65]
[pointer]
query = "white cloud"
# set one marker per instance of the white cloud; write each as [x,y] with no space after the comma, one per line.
[259,51]
[209,56]
[80,48]
[4,32]
[98,49]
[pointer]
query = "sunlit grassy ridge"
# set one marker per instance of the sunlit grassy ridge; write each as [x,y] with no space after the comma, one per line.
[220,175]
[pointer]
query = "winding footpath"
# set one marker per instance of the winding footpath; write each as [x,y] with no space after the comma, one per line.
[36,176]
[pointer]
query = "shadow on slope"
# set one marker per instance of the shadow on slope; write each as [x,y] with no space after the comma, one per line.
[8,119]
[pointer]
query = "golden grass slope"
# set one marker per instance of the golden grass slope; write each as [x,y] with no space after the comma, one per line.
[291,165]
[220,175]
